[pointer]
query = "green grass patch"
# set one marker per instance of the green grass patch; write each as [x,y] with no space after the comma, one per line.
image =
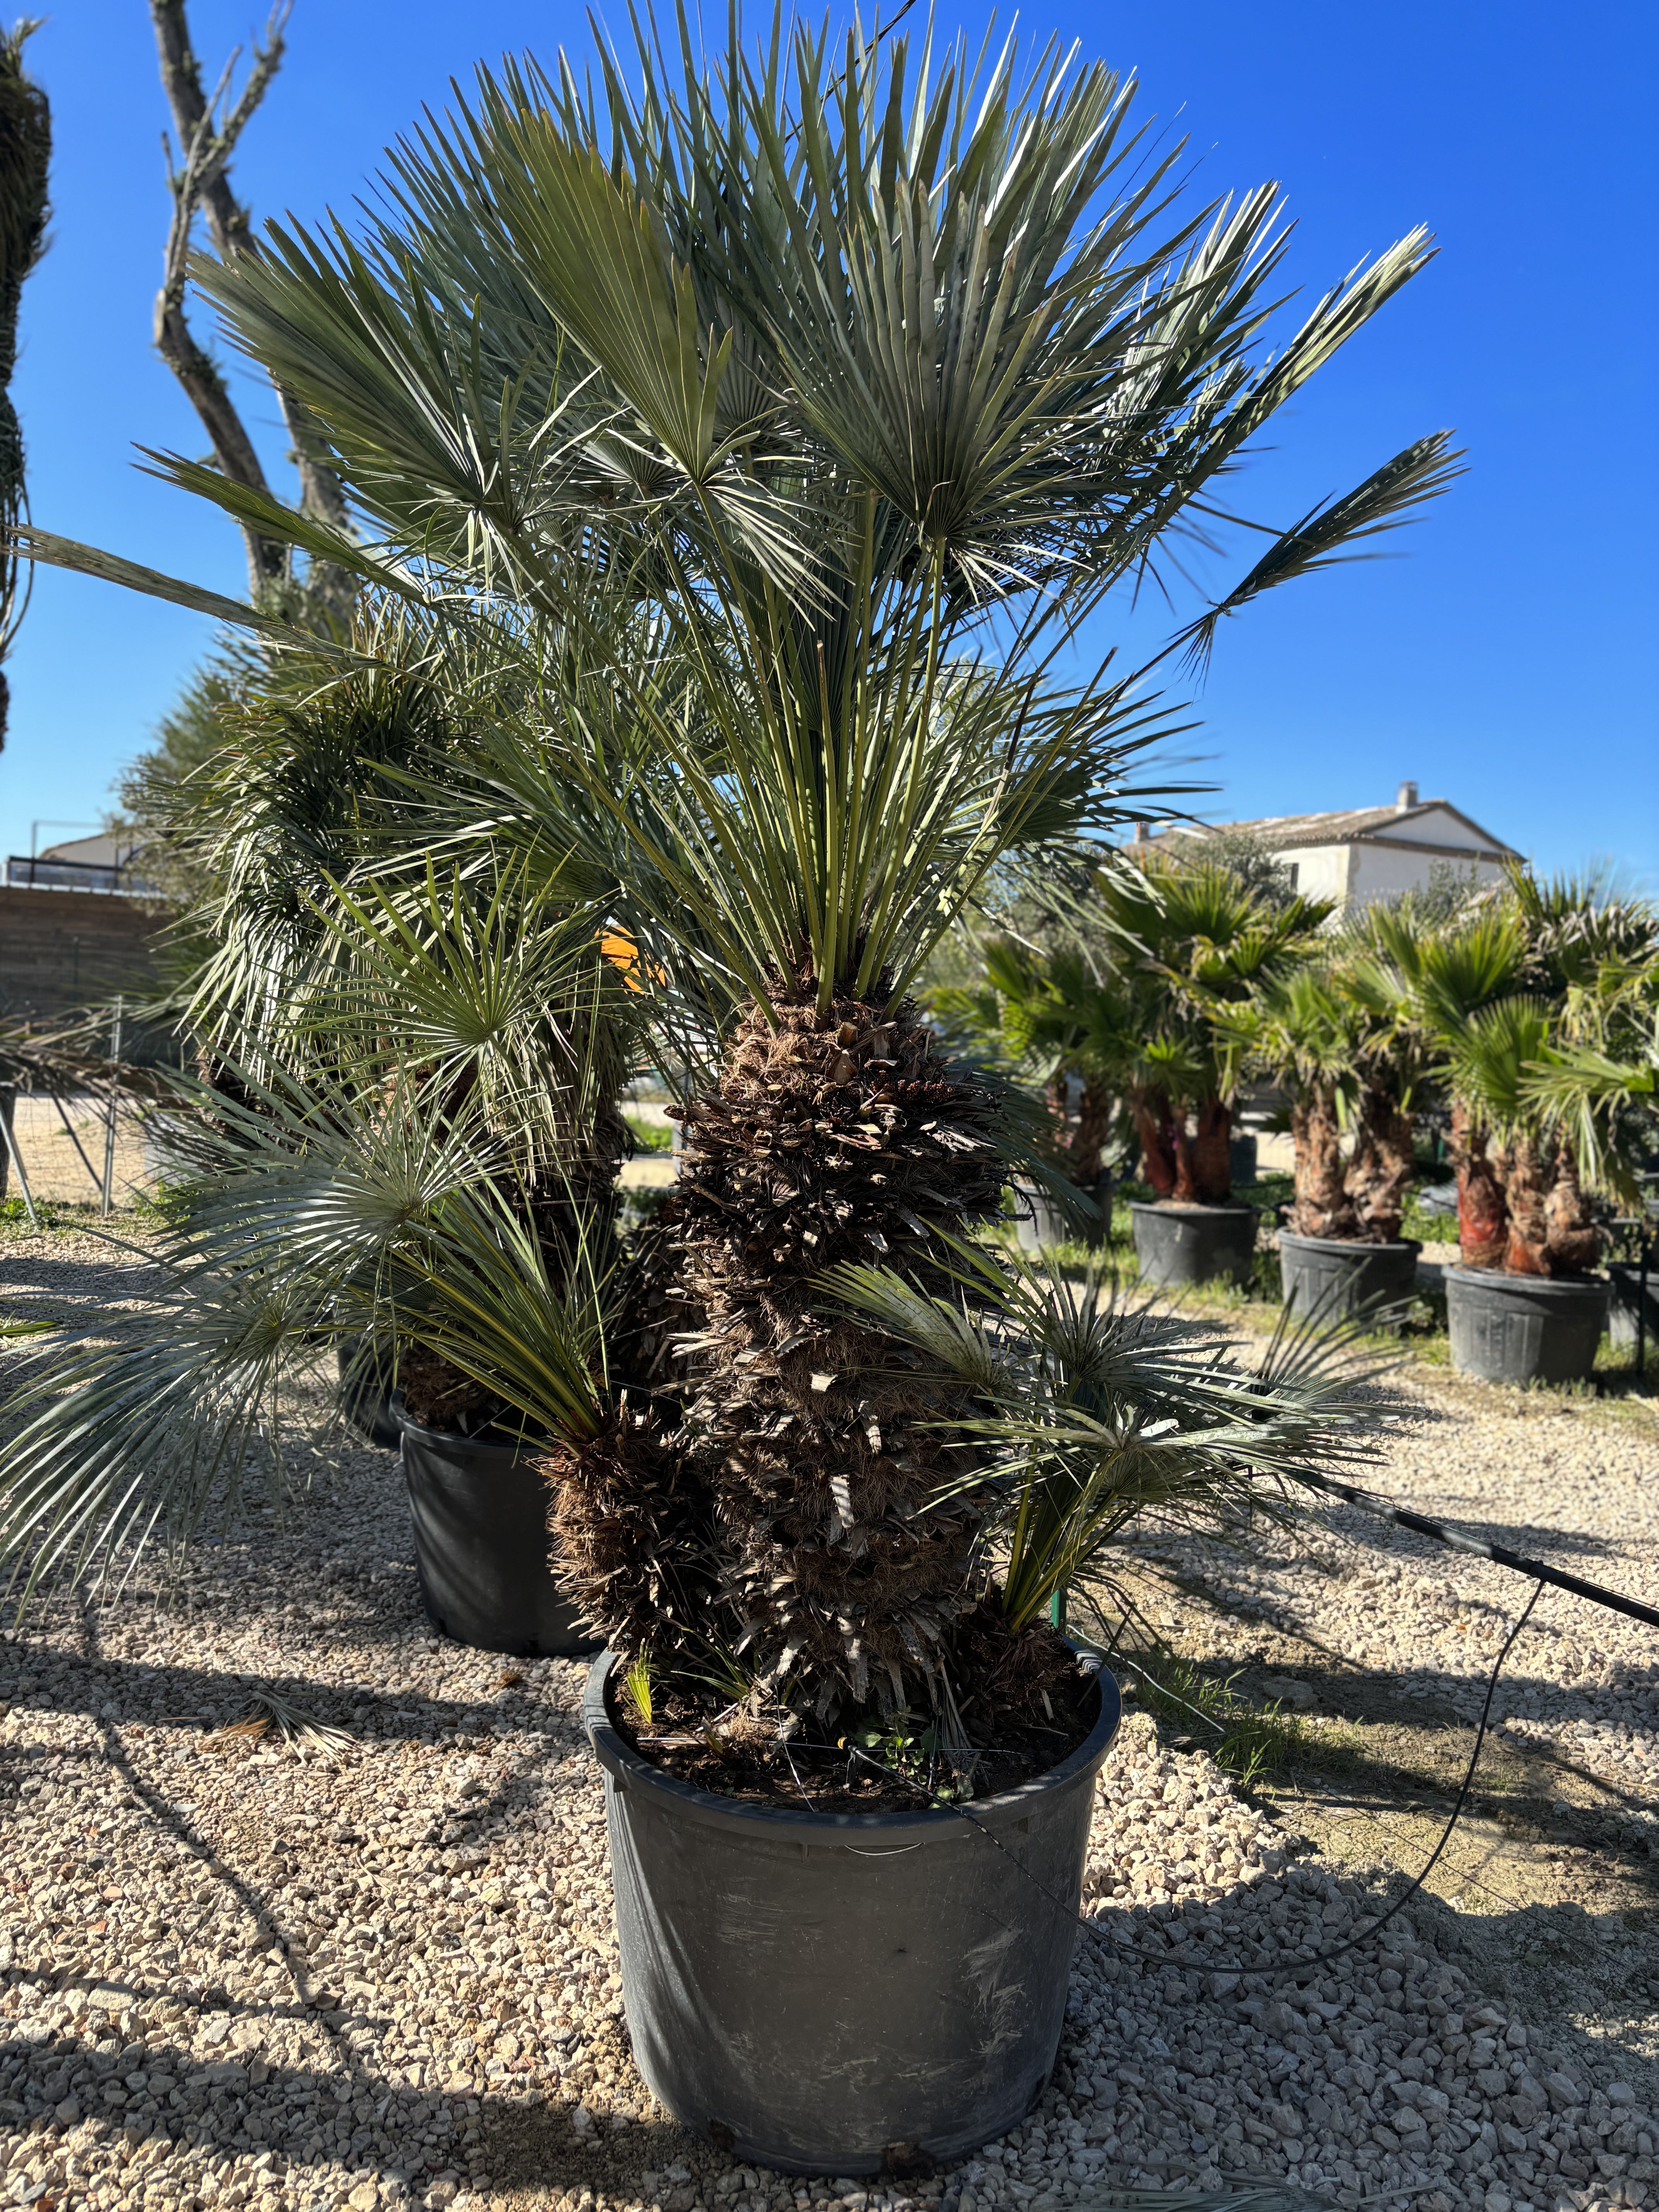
[1251,1742]
[649,1136]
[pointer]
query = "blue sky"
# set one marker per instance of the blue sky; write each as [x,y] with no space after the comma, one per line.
[1507,663]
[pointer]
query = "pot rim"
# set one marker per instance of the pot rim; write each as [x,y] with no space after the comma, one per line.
[1165,1206]
[408,1426]
[1349,1244]
[1529,1285]
[1007,1809]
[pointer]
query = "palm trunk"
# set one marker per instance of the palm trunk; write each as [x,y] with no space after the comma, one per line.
[1212,1153]
[1526,1177]
[1380,1173]
[1482,1215]
[1094,1123]
[830,1139]
[1573,1243]
[1321,1206]
[1160,1137]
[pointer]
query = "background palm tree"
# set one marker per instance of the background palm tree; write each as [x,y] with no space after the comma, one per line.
[1500,991]
[1191,942]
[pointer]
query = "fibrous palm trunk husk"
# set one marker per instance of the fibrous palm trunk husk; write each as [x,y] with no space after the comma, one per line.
[1204,1168]
[1525,1174]
[1321,1206]
[628,1515]
[1482,1215]
[831,1137]
[1094,1124]
[1573,1244]
[1380,1173]
[1155,1129]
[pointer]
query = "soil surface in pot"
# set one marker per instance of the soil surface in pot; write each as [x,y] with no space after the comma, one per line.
[1022,1718]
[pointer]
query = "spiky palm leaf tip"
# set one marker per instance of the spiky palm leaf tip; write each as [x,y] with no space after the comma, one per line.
[831,1137]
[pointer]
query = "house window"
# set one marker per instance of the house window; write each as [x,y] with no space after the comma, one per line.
[1293,869]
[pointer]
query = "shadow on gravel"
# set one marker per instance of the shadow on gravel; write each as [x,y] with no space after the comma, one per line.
[124,1693]
[240,2105]
[351,2118]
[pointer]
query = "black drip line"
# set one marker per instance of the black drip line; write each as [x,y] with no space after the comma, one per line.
[1455,1541]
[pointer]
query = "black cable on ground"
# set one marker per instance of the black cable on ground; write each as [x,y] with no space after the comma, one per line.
[1110,1947]
[1455,1541]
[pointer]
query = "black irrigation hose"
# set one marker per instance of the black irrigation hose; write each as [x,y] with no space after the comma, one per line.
[1114,1947]
[1455,1541]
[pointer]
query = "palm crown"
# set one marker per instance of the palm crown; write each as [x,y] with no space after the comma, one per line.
[783,421]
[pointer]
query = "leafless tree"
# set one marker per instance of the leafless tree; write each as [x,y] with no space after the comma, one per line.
[25,160]
[206,129]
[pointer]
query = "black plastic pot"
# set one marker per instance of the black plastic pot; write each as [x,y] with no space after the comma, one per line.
[1624,1280]
[481,1544]
[1040,1222]
[1243,1158]
[1334,1277]
[835,1993]
[366,1394]
[1524,1328]
[1176,1245]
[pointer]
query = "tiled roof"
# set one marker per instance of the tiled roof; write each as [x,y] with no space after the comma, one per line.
[1283,831]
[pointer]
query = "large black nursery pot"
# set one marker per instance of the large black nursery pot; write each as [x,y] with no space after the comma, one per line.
[365,1393]
[481,1545]
[1332,1278]
[1179,1245]
[1524,1328]
[1040,1222]
[1635,1302]
[842,1993]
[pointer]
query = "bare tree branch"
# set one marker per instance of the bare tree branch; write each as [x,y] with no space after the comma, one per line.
[200,183]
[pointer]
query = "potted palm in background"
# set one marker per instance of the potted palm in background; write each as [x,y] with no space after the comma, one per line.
[1599,1091]
[1192,941]
[735,462]
[1043,1015]
[1335,1034]
[1500,992]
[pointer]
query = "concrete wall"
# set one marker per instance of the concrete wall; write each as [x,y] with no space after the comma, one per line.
[1365,871]
[63,951]
[1321,871]
[1380,873]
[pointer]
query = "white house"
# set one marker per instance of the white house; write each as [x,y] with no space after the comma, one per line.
[1363,853]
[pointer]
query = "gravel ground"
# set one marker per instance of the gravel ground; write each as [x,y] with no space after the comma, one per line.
[376,1966]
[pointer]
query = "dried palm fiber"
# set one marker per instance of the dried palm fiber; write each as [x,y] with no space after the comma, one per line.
[629,1516]
[831,1138]
[654,1308]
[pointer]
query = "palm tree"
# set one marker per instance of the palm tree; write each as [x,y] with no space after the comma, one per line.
[1298,1029]
[1597,1088]
[1450,976]
[1191,942]
[1499,993]
[1049,1017]
[1336,1034]
[763,435]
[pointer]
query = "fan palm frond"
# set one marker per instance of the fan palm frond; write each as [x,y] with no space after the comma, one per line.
[1101,1416]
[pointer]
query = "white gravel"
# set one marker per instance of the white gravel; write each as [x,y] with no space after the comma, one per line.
[234,1971]
[1565,1480]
